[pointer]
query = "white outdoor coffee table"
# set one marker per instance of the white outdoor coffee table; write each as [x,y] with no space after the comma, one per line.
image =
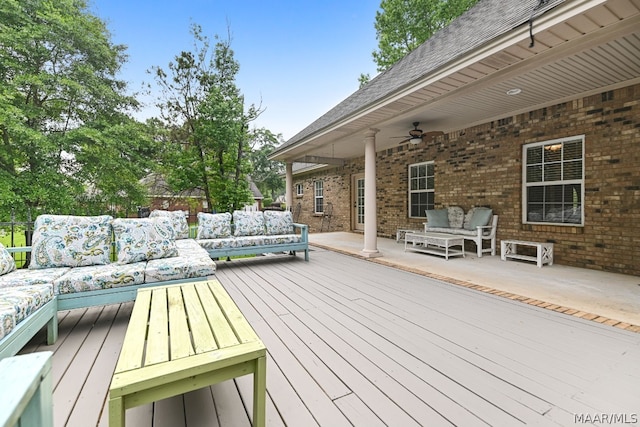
[434,243]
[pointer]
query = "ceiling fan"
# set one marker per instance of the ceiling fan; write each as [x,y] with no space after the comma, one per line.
[416,136]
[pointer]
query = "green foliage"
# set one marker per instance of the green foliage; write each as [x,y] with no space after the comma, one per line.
[267,174]
[204,110]
[65,138]
[403,25]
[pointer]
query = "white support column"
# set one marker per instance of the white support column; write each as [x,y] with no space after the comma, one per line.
[288,192]
[370,205]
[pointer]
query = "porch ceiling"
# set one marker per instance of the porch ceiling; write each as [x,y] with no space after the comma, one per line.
[577,52]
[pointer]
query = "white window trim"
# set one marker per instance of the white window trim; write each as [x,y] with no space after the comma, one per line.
[525,185]
[316,196]
[299,190]
[409,192]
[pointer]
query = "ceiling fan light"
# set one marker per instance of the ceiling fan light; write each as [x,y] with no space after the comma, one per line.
[415,140]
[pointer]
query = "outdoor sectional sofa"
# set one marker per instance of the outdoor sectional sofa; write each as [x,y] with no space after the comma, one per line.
[83,261]
[477,225]
[251,233]
[71,267]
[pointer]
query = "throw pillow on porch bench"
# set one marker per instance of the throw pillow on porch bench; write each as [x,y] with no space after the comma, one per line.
[453,220]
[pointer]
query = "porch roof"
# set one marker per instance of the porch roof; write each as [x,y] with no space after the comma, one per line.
[459,77]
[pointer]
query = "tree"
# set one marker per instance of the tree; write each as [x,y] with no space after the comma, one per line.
[403,25]
[62,111]
[209,136]
[267,174]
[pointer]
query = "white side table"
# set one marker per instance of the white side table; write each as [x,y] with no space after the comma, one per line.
[544,251]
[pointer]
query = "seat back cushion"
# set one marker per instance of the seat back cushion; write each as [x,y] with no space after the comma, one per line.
[178,219]
[456,216]
[277,222]
[477,217]
[70,241]
[143,239]
[248,223]
[7,264]
[214,226]
[437,218]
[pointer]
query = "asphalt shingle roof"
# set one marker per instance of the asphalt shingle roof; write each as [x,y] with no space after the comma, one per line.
[487,20]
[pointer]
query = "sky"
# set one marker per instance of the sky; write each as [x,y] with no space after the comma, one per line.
[298,59]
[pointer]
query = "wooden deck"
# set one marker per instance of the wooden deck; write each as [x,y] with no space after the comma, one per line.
[352,342]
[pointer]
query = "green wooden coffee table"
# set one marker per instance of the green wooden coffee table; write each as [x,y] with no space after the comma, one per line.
[181,338]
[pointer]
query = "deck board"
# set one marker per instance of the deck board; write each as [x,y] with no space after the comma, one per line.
[352,342]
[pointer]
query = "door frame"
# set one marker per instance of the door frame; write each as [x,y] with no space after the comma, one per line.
[356,226]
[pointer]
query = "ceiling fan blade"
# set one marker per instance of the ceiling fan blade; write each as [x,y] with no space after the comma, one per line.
[403,141]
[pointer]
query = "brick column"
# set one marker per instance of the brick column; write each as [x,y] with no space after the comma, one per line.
[370,206]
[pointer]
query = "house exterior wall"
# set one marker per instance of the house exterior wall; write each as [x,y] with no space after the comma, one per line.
[482,166]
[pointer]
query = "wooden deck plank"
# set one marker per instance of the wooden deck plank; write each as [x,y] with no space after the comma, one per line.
[352,340]
[169,412]
[328,381]
[69,389]
[387,409]
[358,413]
[95,390]
[525,400]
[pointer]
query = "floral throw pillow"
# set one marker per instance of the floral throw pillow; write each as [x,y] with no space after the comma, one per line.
[214,226]
[178,219]
[278,222]
[143,239]
[248,223]
[7,264]
[70,241]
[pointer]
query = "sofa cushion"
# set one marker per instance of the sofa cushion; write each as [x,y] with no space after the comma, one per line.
[277,222]
[7,263]
[213,226]
[456,216]
[180,267]
[178,220]
[190,247]
[248,223]
[477,217]
[25,276]
[99,277]
[70,241]
[143,239]
[281,239]
[19,302]
[248,241]
[437,218]
[222,243]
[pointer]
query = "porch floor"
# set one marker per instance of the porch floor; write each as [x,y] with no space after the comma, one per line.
[353,342]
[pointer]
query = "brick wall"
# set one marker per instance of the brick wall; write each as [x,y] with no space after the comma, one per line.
[482,166]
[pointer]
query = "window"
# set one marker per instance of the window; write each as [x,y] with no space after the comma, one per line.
[299,190]
[553,176]
[421,189]
[318,197]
